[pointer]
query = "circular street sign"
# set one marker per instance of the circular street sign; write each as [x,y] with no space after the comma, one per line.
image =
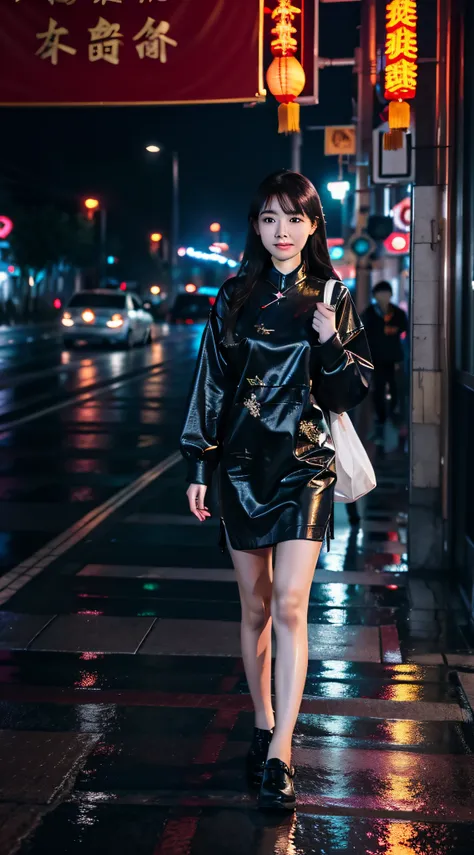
[6,227]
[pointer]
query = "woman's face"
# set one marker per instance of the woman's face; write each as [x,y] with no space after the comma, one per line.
[283,235]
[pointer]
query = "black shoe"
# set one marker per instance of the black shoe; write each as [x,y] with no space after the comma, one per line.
[257,755]
[277,791]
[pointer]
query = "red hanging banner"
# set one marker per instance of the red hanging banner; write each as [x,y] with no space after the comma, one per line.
[87,52]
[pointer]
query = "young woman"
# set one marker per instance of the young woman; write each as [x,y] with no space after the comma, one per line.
[274,360]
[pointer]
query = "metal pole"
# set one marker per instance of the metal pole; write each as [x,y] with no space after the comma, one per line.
[296,145]
[364,140]
[103,249]
[175,219]
[447,214]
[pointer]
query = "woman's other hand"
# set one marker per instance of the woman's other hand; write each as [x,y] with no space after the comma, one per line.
[196,494]
[324,322]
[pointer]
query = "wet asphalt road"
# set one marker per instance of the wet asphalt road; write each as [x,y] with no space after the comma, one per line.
[76,426]
[124,710]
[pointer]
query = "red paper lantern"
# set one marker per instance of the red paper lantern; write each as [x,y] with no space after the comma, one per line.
[285,80]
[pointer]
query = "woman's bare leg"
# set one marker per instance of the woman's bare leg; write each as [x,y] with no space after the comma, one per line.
[295,564]
[253,569]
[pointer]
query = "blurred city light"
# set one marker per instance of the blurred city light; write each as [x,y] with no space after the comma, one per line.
[210,256]
[91,204]
[190,288]
[155,289]
[336,253]
[215,227]
[182,251]
[57,303]
[6,227]
[155,237]
[398,243]
[339,189]
[153,149]
[123,286]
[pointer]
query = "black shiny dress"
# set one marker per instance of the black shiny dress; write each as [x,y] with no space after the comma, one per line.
[259,406]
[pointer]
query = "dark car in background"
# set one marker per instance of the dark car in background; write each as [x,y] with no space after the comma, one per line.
[190,309]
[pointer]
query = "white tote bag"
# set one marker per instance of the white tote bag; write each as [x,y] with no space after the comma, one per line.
[355,473]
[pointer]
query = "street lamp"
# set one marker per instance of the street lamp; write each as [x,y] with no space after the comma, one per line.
[339,189]
[215,228]
[156,149]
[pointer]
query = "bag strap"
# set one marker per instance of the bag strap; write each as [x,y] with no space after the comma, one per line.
[328,291]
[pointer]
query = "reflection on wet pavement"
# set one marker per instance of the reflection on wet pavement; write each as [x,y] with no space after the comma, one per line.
[124,652]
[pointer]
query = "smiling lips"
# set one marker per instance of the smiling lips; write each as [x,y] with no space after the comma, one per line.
[284,245]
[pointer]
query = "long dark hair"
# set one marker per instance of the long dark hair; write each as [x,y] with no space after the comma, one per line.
[296,194]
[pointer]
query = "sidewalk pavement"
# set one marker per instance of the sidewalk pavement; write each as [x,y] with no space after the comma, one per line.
[125,715]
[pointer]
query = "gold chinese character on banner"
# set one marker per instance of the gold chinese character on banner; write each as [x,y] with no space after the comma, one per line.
[107,1]
[154,40]
[401,76]
[105,42]
[66,2]
[401,42]
[52,44]
[401,12]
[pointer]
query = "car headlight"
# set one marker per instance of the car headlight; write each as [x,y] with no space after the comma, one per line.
[66,320]
[88,316]
[115,321]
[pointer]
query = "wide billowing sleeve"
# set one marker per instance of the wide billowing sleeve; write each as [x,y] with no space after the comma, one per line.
[209,398]
[342,367]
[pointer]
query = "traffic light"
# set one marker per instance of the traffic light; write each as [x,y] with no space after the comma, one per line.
[362,245]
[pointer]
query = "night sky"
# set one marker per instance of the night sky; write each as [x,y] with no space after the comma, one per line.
[60,155]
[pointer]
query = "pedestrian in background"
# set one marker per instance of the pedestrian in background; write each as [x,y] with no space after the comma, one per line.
[385,325]
[272,365]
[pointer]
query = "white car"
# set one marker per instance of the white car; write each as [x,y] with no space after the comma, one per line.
[106,316]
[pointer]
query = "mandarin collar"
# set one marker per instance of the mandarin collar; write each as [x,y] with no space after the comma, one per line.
[283,281]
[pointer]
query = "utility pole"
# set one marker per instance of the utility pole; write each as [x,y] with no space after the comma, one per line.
[175,220]
[365,65]
[296,144]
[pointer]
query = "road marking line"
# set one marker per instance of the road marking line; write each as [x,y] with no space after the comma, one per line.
[79,530]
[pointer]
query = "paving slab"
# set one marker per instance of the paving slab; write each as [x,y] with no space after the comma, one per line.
[16,822]
[17,630]
[35,767]
[94,633]
[222,638]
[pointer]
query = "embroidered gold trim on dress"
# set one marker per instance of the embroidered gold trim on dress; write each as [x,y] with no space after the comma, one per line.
[210,448]
[309,430]
[252,405]
[261,328]
[255,381]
